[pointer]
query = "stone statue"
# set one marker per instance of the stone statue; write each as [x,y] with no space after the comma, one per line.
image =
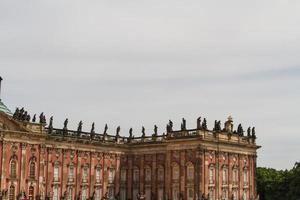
[105,129]
[204,124]
[130,133]
[183,124]
[215,125]
[50,127]
[41,118]
[21,113]
[253,133]
[66,124]
[79,129]
[92,133]
[118,131]
[16,114]
[240,130]
[199,123]
[93,128]
[143,131]
[34,118]
[27,118]
[171,124]
[24,116]
[249,132]
[168,128]
[219,126]
[155,130]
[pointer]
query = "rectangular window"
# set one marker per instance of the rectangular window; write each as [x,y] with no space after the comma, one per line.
[56,173]
[123,194]
[71,174]
[190,194]
[111,176]
[55,193]
[160,194]
[211,175]
[98,175]
[84,194]
[98,193]
[123,175]
[85,174]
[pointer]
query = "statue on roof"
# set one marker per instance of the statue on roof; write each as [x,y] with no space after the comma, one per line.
[199,123]
[253,133]
[155,130]
[50,127]
[66,124]
[229,125]
[118,131]
[168,128]
[92,131]
[24,116]
[79,129]
[34,118]
[240,130]
[249,132]
[41,118]
[183,124]
[27,118]
[105,129]
[130,133]
[204,124]
[16,113]
[170,125]
[143,131]
[93,128]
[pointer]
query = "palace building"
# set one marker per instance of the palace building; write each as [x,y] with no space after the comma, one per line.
[44,162]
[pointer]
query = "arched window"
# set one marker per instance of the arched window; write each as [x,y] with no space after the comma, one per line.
[32,169]
[175,172]
[211,174]
[12,192]
[161,174]
[31,193]
[13,168]
[56,173]
[98,174]
[190,172]
[147,174]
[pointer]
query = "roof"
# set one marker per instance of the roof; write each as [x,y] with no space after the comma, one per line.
[3,108]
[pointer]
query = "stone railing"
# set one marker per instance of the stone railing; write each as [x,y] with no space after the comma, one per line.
[172,135]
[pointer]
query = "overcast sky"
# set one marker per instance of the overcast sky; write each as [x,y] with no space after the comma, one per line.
[137,62]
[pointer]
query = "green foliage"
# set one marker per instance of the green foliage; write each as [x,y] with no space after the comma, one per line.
[275,184]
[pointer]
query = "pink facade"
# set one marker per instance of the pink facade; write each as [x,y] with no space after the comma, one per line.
[188,164]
